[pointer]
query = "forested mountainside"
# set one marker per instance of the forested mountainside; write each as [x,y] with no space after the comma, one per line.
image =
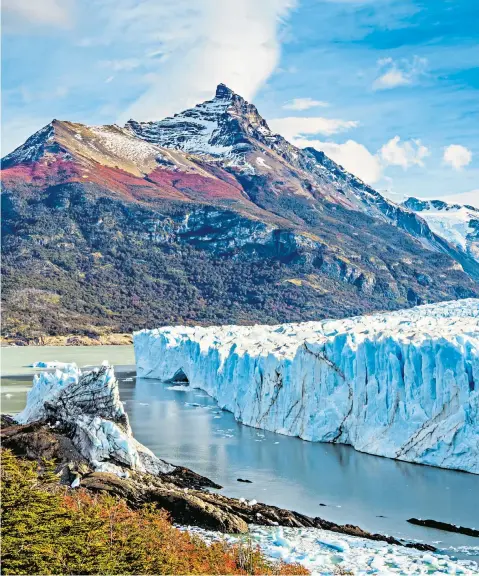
[204,218]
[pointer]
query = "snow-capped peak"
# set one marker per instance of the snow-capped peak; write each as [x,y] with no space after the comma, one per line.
[33,148]
[456,223]
[223,92]
[222,127]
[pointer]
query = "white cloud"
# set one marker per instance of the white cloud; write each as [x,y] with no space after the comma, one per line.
[394,73]
[304,104]
[294,127]
[457,156]
[471,198]
[406,154]
[206,43]
[354,157]
[39,12]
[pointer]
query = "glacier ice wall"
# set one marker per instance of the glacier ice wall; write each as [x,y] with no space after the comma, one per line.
[88,405]
[403,385]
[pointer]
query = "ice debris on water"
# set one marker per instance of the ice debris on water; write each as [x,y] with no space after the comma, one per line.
[322,552]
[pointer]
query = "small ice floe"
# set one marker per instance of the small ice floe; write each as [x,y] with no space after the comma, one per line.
[48,365]
[75,482]
[193,404]
[127,379]
[179,388]
[324,552]
[143,404]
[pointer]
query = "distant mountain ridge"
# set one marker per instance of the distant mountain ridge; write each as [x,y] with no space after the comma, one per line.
[205,217]
[458,224]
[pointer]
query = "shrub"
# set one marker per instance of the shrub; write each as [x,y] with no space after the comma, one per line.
[48,529]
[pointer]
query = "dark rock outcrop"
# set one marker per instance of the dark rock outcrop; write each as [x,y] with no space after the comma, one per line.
[445,526]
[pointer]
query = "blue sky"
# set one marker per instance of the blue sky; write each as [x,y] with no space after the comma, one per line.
[388,88]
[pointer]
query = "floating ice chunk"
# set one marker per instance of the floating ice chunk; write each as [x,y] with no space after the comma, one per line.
[48,365]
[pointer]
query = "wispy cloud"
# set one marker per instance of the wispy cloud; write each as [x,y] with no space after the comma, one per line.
[304,104]
[39,12]
[294,127]
[207,42]
[395,73]
[126,64]
[457,156]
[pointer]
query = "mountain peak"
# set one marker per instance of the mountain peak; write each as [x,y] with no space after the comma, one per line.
[223,92]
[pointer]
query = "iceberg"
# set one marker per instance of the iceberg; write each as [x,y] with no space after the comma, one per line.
[402,385]
[87,404]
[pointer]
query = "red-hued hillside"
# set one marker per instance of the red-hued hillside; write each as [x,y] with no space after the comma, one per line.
[205,217]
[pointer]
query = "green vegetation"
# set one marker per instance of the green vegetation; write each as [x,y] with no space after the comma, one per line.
[75,262]
[48,529]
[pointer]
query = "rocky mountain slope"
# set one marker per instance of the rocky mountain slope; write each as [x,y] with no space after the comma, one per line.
[206,217]
[458,224]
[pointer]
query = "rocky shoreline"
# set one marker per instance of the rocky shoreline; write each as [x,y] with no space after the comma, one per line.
[183,493]
[113,339]
[77,420]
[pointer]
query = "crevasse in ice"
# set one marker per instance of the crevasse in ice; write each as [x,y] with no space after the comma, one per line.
[403,384]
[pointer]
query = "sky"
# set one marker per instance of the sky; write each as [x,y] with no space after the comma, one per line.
[387,88]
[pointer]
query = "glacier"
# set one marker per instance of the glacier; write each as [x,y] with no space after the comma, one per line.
[88,405]
[402,385]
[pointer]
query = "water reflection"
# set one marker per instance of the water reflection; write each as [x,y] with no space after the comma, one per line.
[379,494]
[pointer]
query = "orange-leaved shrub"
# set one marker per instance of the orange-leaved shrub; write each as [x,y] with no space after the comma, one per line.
[47,529]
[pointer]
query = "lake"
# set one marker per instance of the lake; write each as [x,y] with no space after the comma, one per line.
[186,427]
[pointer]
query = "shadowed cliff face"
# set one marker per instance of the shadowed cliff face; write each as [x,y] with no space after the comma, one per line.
[206,217]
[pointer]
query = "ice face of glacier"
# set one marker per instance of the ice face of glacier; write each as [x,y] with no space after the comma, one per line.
[403,385]
[88,405]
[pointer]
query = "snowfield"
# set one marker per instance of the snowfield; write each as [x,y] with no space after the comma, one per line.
[403,384]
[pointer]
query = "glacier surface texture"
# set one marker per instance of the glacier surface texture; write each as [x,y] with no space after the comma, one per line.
[403,385]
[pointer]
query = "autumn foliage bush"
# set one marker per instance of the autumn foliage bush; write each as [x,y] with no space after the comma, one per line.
[47,529]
